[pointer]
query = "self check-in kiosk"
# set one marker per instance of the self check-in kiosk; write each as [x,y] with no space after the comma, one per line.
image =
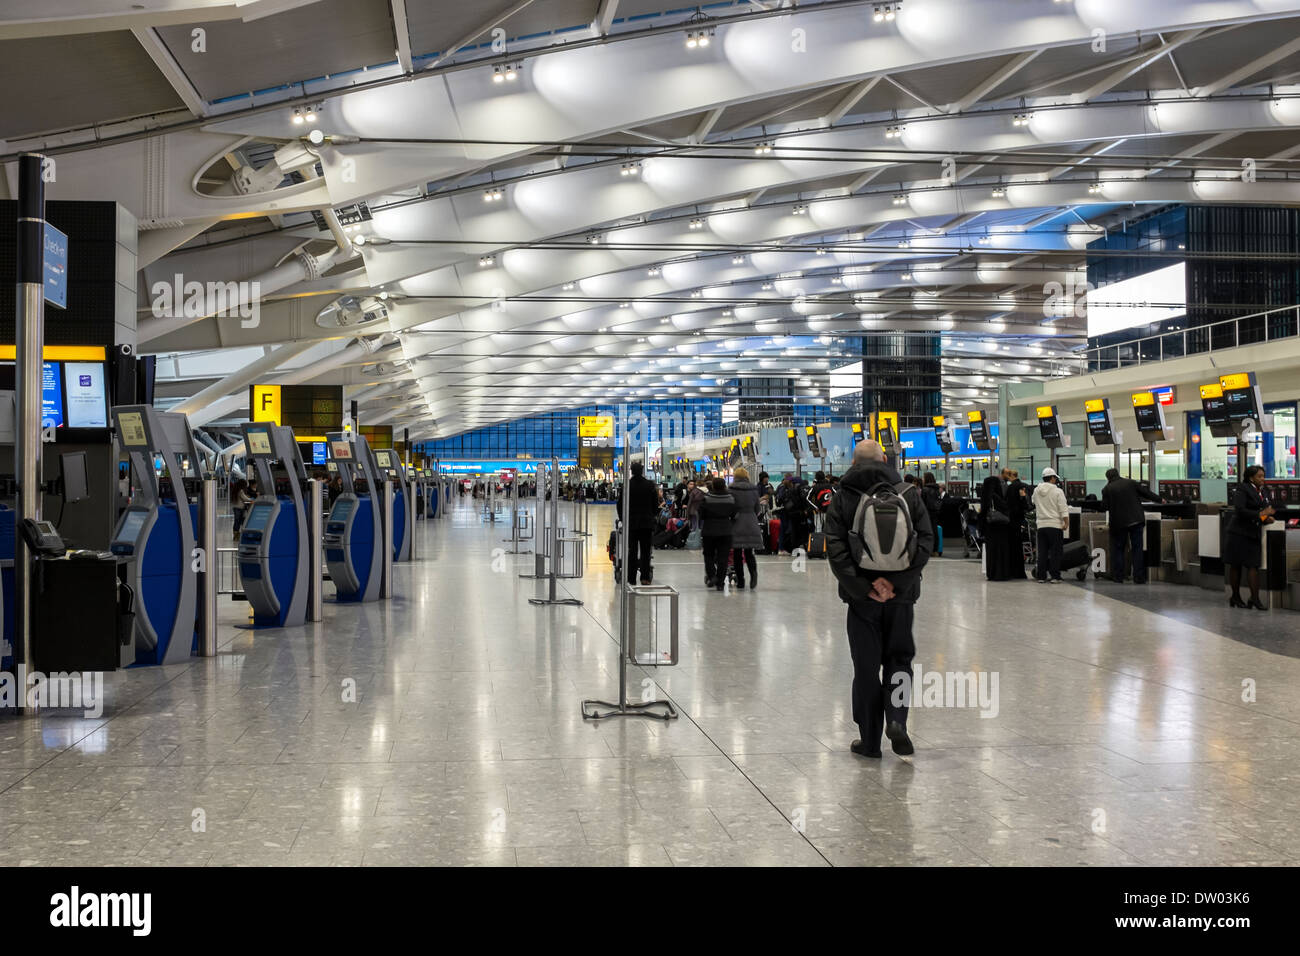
[793,438]
[1151,423]
[946,437]
[274,545]
[389,463]
[354,533]
[1049,430]
[157,531]
[815,446]
[1101,425]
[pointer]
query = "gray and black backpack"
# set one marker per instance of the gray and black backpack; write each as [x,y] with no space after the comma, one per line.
[882,537]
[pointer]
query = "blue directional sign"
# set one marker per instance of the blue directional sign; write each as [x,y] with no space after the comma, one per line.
[56,267]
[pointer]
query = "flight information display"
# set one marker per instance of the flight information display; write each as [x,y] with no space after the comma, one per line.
[51,395]
[87,396]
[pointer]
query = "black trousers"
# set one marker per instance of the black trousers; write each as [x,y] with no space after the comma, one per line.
[740,559]
[715,557]
[638,552]
[880,638]
[1051,541]
[1133,538]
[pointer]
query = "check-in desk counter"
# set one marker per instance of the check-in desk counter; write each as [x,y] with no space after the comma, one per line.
[1167,529]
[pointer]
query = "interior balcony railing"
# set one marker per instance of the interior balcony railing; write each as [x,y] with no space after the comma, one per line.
[1268,326]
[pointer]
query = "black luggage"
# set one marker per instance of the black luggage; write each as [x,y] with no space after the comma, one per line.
[1075,554]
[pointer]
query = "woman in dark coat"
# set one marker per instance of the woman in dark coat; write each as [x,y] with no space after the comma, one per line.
[717,516]
[1242,547]
[746,532]
[996,532]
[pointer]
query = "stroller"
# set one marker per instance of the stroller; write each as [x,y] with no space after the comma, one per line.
[971,540]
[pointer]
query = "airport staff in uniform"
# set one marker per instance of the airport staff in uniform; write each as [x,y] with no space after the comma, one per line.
[881,607]
[1242,547]
[643,508]
[1122,499]
[1053,518]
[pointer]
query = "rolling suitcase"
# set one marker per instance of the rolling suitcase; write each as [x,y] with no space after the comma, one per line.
[774,536]
[1076,557]
[817,545]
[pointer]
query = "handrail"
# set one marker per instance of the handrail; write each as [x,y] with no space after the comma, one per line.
[1197,340]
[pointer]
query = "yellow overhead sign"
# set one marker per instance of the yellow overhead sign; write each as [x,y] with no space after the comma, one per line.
[1142,399]
[1095,405]
[975,416]
[1211,391]
[1046,411]
[60,353]
[266,404]
[595,426]
[938,421]
[1240,380]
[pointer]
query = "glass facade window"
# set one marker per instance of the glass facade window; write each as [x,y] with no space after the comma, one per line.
[555,434]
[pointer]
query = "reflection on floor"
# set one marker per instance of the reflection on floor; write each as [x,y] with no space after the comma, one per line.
[1118,734]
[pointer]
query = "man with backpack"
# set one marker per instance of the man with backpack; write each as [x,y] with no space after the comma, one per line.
[878,537]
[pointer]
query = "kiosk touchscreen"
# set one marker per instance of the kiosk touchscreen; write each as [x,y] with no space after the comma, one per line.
[1150,415]
[1101,427]
[981,435]
[274,550]
[157,532]
[944,434]
[815,447]
[353,536]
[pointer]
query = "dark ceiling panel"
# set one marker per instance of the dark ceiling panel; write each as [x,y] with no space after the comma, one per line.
[435,25]
[543,17]
[946,84]
[1059,62]
[57,83]
[1204,61]
[323,38]
[746,114]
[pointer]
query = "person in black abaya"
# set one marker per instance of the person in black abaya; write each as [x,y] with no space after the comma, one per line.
[995,530]
[1017,493]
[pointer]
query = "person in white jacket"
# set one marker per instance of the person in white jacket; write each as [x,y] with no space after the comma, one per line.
[1053,521]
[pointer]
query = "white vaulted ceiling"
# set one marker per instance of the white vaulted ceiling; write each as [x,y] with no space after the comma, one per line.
[631,214]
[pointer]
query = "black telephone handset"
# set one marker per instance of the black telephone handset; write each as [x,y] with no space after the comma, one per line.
[42,538]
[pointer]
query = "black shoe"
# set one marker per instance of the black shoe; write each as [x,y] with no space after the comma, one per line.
[708,582]
[740,585]
[1117,579]
[1254,602]
[898,739]
[721,587]
[1235,601]
[858,748]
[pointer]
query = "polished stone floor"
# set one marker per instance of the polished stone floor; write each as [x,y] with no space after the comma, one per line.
[1119,734]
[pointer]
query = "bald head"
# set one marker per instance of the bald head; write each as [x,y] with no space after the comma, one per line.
[869,451]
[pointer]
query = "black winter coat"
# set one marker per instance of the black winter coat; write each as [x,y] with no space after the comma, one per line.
[717,512]
[855,583]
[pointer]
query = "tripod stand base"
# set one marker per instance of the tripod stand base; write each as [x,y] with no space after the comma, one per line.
[570,602]
[655,710]
[529,551]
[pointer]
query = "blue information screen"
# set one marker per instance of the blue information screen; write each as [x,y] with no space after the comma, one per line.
[318,453]
[52,395]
